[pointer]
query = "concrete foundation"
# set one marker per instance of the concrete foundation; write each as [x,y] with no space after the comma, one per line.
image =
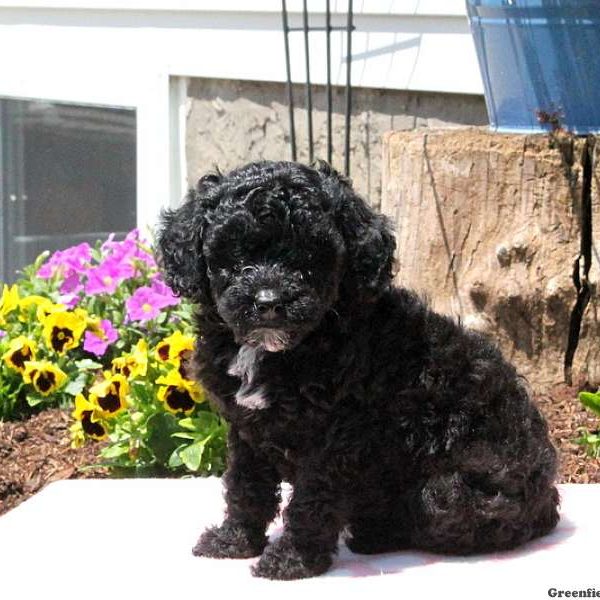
[233,122]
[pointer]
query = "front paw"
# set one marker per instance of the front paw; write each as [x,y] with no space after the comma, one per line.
[282,560]
[230,540]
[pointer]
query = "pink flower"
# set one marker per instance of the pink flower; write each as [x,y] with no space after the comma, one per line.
[98,342]
[143,305]
[70,300]
[69,290]
[162,289]
[71,284]
[146,302]
[130,250]
[105,278]
[66,262]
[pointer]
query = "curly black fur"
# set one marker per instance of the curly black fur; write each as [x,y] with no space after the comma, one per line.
[392,422]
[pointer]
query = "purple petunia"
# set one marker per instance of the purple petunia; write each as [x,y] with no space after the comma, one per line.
[69,300]
[67,262]
[119,264]
[105,278]
[131,249]
[97,344]
[162,289]
[74,265]
[69,290]
[147,302]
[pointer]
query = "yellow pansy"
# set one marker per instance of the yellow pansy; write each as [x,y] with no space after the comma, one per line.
[77,435]
[172,347]
[45,377]
[9,300]
[176,349]
[82,405]
[45,309]
[38,302]
[179,394]
[134,364]
[94,324]
[110,394]
[85,316]
[63,330]
[20,350]
[88,414]
[34,300]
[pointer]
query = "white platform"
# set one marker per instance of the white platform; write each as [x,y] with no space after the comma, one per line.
[131,539]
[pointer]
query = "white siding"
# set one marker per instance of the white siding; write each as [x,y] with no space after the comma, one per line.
[133,52]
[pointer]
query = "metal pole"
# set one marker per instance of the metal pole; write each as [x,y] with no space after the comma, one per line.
[329,98]
[308,88]
[348,88]
[286,30]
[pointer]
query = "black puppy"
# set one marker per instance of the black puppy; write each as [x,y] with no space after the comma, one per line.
[391,422]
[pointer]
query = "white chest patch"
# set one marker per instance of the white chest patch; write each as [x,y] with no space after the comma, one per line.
[253,399]
[245,366]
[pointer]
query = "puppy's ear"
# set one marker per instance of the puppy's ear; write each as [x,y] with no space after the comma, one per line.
[370,243]
[180,243]
[209,181]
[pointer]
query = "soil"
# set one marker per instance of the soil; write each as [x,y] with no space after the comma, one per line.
[566,416]
[37,451]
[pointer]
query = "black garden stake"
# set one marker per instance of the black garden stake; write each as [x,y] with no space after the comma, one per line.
[306,29]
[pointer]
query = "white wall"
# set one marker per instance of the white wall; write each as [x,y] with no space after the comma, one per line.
[135,53]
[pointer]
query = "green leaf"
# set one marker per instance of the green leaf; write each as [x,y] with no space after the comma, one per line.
[175,460]
[161,427]
[192,455]
[114,451]
[591,401]
[87,364]
[40,260]
[76,386]
[186,436]
[162,317]
[203,422]
[34,400]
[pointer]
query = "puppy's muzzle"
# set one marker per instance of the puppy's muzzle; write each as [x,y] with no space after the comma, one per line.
[272,340]
[269,305]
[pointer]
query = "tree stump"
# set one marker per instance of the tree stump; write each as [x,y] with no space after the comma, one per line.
[489,227]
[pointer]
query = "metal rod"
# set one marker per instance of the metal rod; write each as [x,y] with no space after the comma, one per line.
[332,28]
[308,88]
[329,97]
[348,88]
[288,70]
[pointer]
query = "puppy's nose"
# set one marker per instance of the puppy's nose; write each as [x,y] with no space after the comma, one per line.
[269,304]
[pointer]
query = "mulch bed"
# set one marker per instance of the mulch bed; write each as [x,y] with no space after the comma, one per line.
[36,452]
[566,416]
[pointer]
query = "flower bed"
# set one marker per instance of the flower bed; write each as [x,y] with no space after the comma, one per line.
[96,330]
[93,355]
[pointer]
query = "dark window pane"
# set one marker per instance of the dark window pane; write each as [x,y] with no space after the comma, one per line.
[68,175]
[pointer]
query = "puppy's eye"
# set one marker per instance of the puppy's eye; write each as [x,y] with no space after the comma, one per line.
[306,275]
[247,270]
